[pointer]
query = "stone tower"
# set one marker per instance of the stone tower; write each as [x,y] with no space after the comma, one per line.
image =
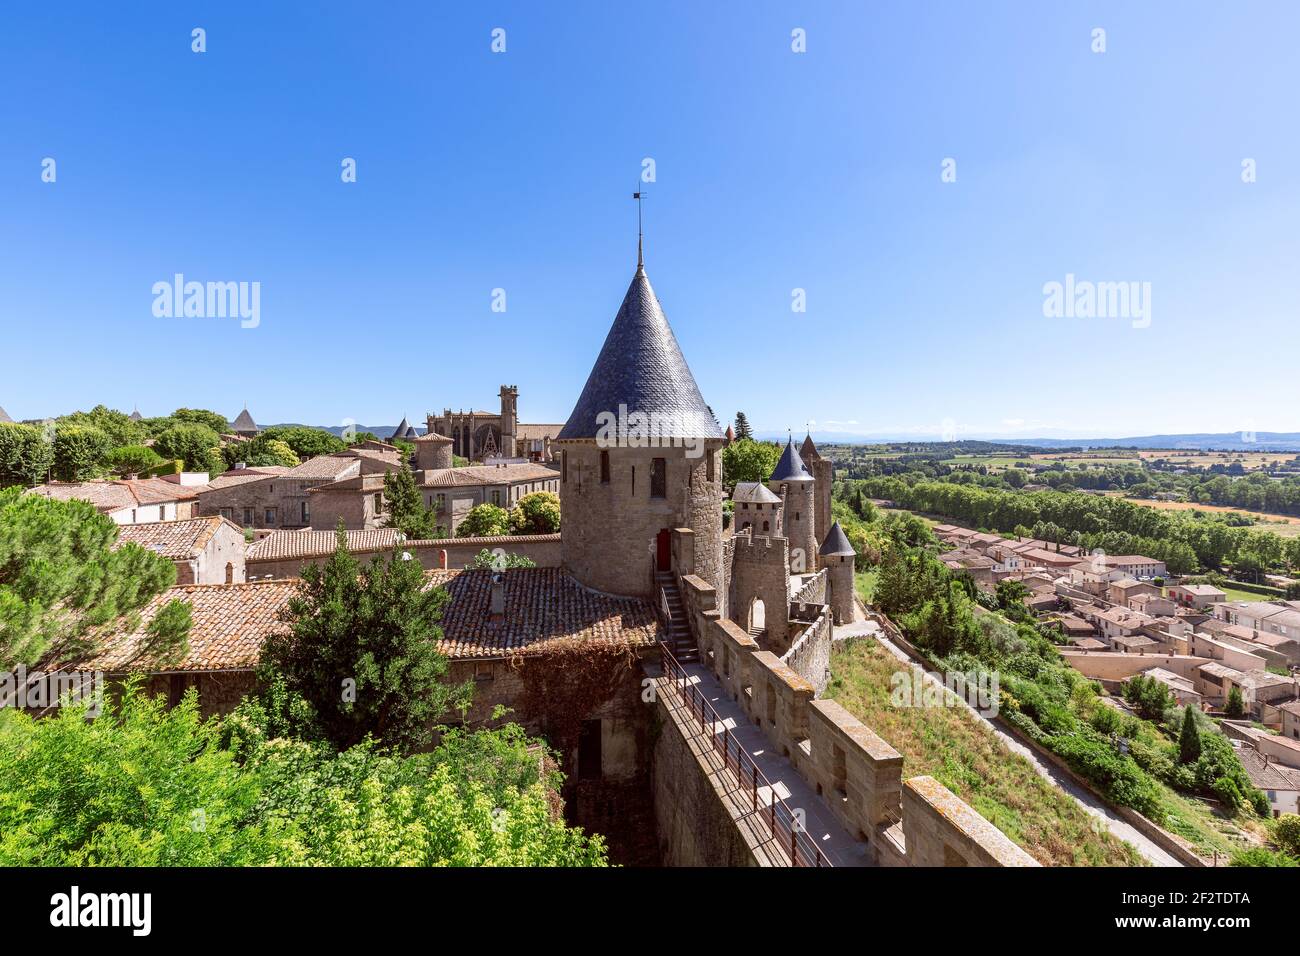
[432,451]
[798,490]
[824,472]
[640,456]
[837,558]
[509,420]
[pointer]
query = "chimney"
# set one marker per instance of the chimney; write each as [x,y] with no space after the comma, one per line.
[497,604]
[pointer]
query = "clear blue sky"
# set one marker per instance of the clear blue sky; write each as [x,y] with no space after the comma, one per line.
[775,171]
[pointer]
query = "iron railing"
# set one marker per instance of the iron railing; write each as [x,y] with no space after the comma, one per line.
[785,826]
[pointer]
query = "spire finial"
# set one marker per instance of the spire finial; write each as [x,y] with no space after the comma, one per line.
[640,257]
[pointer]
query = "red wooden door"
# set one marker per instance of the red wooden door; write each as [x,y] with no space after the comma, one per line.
[665,550]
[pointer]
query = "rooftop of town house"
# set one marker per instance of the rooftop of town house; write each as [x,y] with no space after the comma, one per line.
[178,540]
[1266,774]
[1201,590]
[542,606]
[1170,679]
[283,545]
[240,476]
[473,475]
[322,466]
[114,495]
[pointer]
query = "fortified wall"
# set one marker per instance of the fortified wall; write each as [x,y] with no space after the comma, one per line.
[917,822]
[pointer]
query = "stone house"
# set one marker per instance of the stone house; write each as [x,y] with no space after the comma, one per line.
[205,550]
[454,491]
[128,500]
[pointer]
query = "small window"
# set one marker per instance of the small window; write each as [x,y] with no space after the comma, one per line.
[564,465]
[496,496]
[604,467]
[248,516]
[228,513]
[634,479]
[658,478]
[442,502]
[306,514]
[709,466]
[270,516]
[379,501]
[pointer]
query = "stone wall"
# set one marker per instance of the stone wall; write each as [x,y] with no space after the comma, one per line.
[697,823]
[1114,666]
[810,654]
[759,573]
[856,772]
[812,591]
[542,549]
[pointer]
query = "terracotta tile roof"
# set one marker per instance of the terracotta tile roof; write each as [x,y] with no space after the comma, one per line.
[355,483]
[177,540]
[534,432]
[230,623]
[289,545]
[323,466]
[280,545]
[541,605]
[486,475]
[243,475]
[108,496]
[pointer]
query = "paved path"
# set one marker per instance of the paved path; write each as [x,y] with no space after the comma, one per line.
[1089,801]
[840,848]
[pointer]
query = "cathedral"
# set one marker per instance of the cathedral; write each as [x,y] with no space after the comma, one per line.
[481,435]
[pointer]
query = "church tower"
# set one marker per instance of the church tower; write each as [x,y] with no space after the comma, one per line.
[509,420]
[797,488]
[640,456]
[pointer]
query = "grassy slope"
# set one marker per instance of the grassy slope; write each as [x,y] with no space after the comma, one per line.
[952,746]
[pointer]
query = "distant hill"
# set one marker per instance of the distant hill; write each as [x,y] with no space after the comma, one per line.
[1202,441]
[383,431]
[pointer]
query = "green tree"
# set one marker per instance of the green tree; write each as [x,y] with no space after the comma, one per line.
[201,416]
[743,430]
[1235,706]
[1189,740]
[119,427]
[273,452]
[306,442]
[197,446]
[499,560]
[79,452]
[484,521]
[407,511]
[536,513]
[25,455]
[361,649]
[133,460]
[1286,833]
[749,460]
[61,579]
[478,799]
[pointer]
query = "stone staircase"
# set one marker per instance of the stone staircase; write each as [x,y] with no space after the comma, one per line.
[680,638]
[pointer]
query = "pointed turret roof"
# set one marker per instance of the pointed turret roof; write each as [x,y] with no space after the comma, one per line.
[790,467]
[642,367]
[4,416]
[244,423]
[808,451]
[411,432]
[731,435]
[135,416]
[401,429]
[836,543]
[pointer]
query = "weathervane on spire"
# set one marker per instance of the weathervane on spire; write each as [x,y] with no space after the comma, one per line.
[640,259]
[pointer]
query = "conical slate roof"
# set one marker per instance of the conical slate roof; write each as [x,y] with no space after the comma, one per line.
[790,467]
[808,451]
[411,432]
[402,429]
[245,423]
[135,416]
[642,367]
[836,543]
[4,416]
